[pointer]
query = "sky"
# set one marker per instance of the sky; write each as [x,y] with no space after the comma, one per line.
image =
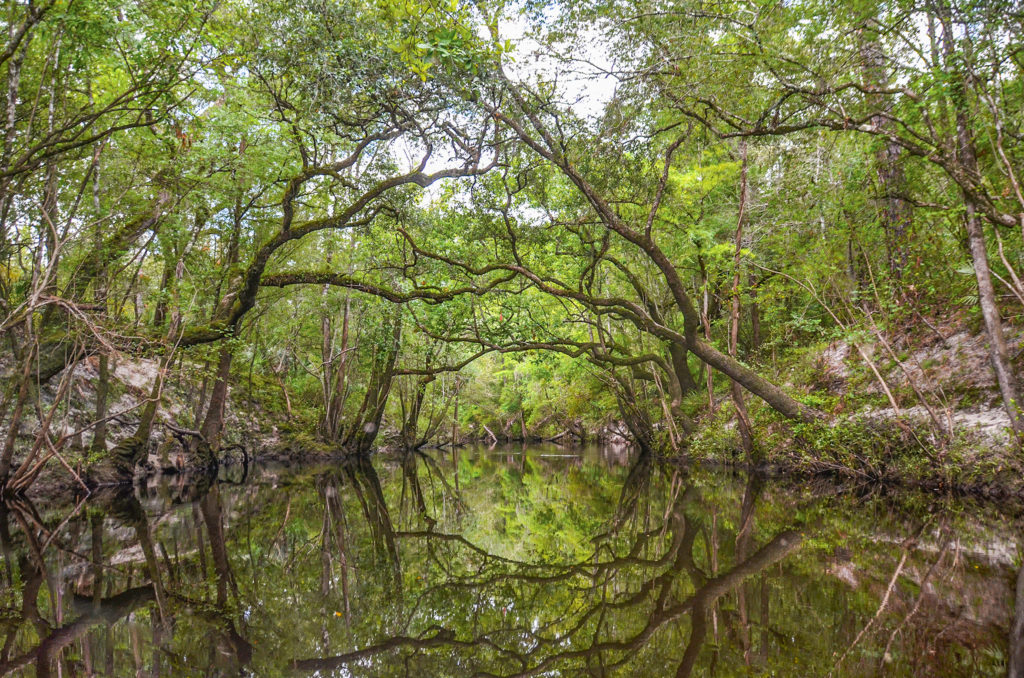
[585,89]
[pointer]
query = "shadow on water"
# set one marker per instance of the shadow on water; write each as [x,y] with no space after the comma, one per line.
[504,562]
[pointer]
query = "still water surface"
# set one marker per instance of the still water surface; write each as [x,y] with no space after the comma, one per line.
[536,562]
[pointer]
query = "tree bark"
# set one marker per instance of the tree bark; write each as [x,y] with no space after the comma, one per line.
[895,212]
[213,424]
[742,417]
[366,426]
[1016,663]
[99,438]
[411,424]
[337,394]
[687,384]
[999,354]
[778,399]
[24,391]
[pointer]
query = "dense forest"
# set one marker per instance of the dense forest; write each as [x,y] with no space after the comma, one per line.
[757,232]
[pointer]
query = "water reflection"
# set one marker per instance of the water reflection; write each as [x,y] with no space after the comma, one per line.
[503,563]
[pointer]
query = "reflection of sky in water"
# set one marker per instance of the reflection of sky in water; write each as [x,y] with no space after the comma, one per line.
[536,561]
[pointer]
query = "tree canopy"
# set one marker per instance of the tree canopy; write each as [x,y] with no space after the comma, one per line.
[541,219]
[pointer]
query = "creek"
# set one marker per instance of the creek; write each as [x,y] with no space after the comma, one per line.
[537,561]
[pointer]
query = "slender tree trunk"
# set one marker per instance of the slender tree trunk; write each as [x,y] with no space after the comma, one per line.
[742,417]
[999,354]
[160,312]
[705,323]
[287,399]
[326,360]
[99,438]
[7,456]
[213,424]
[755,318]
[1016,667]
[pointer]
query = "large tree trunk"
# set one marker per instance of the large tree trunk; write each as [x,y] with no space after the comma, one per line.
[895,213]
[687,384]
[778,399]
[213,424]
[410,426]
[897,217]
[363,433]
[679,373]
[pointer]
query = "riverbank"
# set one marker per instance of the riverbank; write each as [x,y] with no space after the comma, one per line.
[919,408]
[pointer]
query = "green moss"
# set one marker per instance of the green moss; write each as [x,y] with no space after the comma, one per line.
[306,442]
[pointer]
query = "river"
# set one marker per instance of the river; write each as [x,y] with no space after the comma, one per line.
[539,561]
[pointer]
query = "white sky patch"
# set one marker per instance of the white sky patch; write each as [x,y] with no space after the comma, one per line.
[581,72]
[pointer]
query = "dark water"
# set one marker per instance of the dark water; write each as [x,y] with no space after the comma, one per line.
[535,564]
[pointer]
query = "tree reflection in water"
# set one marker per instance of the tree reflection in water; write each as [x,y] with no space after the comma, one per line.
[535,565]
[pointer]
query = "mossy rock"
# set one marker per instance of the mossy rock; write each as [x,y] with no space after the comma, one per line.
[117,466]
